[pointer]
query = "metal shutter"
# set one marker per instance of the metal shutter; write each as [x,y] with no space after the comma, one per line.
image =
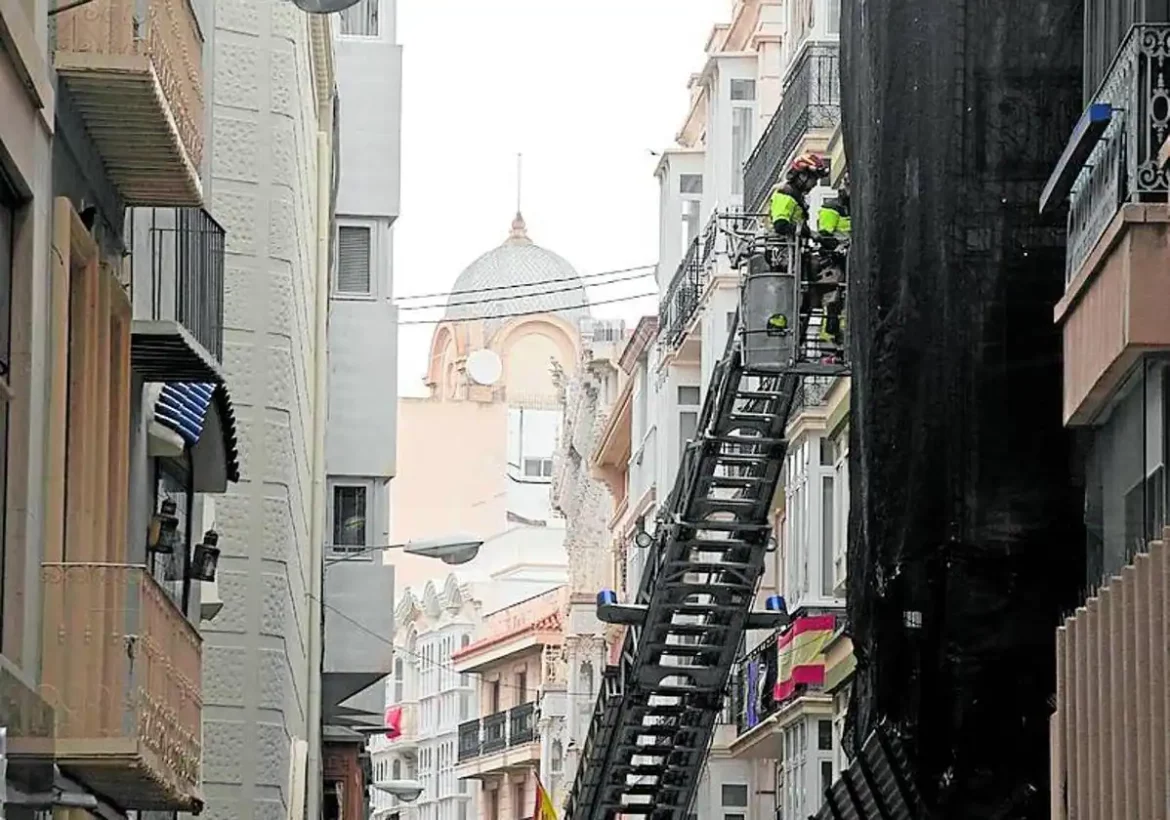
[353,260]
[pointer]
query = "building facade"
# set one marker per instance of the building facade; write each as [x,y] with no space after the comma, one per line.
[768,90]
[480,456]
[516,658]
[427,700]
[1109,748]
[360,435]
[272,172]
[583,500]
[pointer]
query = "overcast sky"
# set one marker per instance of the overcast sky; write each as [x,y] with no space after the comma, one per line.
[585,89]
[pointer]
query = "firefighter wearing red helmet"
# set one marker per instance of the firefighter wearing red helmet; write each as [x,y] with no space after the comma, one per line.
[789,205]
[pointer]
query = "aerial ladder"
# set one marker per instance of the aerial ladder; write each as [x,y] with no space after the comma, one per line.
[655,716]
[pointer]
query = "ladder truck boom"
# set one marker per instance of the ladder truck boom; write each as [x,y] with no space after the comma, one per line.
[655,716]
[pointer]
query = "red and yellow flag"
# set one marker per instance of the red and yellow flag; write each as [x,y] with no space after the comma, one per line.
[544,805]
[802,654]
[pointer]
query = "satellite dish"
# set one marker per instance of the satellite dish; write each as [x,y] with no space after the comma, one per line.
[324,6]
[485,367]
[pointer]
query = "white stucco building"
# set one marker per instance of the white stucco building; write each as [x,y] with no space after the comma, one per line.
[433,700]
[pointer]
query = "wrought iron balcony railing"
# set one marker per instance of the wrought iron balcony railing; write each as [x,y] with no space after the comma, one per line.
[177,276]
[810,99]
[1124,167]
[495,732]
[522,724]
[682,295]
[469,740]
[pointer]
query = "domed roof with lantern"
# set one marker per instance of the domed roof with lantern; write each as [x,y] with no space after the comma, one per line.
[518,277]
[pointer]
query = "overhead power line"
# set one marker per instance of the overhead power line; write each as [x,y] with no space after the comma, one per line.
[583,305]
[491,300]
[585,276]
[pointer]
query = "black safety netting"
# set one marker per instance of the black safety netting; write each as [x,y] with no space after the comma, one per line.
[965,533]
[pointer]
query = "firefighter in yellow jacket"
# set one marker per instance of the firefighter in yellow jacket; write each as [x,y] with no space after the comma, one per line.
[788,208]
[827,264]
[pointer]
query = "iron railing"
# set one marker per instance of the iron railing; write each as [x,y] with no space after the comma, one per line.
[682,295]
[812,392]
[1123,166]
[468,740]
[753,681]
[176,270]
[497,731]
[522,724]
[810,99]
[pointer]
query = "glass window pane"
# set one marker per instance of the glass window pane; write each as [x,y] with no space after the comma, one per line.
[349,516]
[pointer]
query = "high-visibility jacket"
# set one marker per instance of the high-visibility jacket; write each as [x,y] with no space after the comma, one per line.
[786,208]
[830,220]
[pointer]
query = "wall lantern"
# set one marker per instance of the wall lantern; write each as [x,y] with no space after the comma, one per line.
[163,535]
[206,557]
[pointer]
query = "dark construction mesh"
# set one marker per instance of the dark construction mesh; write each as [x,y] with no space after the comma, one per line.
[964,507]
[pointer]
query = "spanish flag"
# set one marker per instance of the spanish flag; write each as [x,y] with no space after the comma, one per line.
[802,654]
[544,805]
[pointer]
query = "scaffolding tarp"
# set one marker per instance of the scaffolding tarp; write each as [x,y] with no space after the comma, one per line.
[965,535]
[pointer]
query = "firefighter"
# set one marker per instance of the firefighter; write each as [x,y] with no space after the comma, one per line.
[789,205]
[826,281]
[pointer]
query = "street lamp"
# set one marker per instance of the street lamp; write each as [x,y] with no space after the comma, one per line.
[405,790]
[450,549]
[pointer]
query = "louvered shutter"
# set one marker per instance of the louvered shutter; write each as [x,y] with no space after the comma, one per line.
[353,259]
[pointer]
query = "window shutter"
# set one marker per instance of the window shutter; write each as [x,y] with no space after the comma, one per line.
[353,259]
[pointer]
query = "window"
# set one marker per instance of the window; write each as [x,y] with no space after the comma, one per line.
[521,686]
[690,224]
[399,683]
[731,314]
[735,795]
[825,735]
[396,769]
[826,775]
[353,259]
[518,810]
[828,536]
[538,468]
[688,395]
[360,20]
[349,517]
[690,184]
[743,90]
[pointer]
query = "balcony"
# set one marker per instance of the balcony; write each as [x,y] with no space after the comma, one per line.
[499,743]
[810,102]
[1109,732]
[1117,293]
[176,284]
[779,682]
[682,296]
[522,724]
[134,69]
[122,670]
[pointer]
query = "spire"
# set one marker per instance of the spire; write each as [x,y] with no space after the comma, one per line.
[519,234]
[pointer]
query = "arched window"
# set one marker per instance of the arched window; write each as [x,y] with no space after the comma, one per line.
[557,763]
[396,769]
[586,676]
[399,680]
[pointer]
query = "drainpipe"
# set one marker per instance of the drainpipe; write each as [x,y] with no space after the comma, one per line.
[317,519]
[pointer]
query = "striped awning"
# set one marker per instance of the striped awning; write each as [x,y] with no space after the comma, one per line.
[184,407]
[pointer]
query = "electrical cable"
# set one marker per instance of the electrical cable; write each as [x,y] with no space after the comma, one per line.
[496,299]
[446,294]
[398,649]
[583,305]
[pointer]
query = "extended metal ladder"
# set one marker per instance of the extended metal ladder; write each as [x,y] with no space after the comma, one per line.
[655,717]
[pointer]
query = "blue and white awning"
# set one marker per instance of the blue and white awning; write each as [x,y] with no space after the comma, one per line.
[191,408]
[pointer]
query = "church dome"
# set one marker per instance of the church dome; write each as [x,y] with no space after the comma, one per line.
[517,277]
